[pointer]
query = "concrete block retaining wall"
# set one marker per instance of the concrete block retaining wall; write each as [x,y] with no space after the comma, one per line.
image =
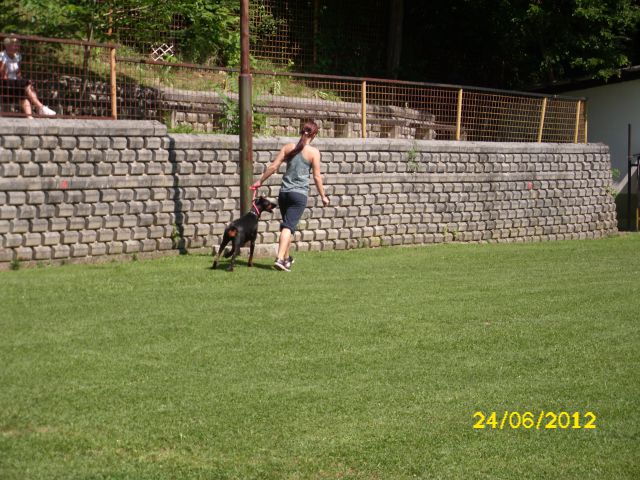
[92,190]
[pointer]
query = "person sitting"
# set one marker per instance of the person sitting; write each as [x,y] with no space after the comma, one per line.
[12,86]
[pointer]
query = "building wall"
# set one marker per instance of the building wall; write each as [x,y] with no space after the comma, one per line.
[94,190]
[611,108]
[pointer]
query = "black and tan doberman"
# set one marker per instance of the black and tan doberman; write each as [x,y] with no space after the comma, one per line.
[241,231]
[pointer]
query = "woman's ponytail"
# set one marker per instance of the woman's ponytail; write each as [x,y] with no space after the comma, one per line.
[309,129]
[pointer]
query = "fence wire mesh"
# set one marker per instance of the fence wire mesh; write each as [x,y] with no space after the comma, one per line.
[163,38]
[190,97]
[73,78]
[81,79]
[283,32]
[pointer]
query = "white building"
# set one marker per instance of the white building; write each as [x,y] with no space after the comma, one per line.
[611,107]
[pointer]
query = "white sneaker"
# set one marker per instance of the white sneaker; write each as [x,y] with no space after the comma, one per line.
[281,265]
[47,111]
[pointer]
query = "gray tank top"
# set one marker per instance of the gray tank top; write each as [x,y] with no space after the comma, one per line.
[296,178]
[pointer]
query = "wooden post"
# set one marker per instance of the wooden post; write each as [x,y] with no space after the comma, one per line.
[114,90]
[364,109]
[459,115]
[542,114]
[577,130]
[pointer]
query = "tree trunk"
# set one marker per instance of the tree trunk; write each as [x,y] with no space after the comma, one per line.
[394,44]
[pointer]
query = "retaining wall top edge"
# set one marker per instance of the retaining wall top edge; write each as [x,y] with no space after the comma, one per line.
[98,127]
[132,128]
[437,146]
[187,141]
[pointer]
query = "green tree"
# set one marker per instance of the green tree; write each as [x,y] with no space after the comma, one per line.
[55,18]
[213,32]
[512,43]
[210,33]
[578,38]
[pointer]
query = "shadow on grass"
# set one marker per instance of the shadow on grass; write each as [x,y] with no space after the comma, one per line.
[243,264]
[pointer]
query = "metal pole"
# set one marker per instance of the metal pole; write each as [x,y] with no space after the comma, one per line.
[586,123]
[629,163]
[459,115]
[316,14]
[246,115]
[364,109]
[542,114]
[577,130]
[114,90]
[638,194]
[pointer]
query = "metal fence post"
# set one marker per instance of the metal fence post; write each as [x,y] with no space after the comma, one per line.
[114,91]
[578,108]
[586,124]
[629,173]
[246,112]
[459,115]
[543,112]
[364,109]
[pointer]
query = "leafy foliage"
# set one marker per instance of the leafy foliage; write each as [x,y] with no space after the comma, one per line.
[213,35]
[55,18]
[211,31]
[511,43]
[497,43]
[230,121]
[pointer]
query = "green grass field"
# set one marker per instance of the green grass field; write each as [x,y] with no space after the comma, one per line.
[365,364]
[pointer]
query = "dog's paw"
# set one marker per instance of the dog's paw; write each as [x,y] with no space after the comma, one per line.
[230,268]
[214,266]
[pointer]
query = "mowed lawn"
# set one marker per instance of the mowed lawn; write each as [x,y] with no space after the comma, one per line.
[364,364]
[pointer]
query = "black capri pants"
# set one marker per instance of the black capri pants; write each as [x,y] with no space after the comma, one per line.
[292,205]
[13,90]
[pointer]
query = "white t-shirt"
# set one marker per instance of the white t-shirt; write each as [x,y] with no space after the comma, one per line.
[11,65]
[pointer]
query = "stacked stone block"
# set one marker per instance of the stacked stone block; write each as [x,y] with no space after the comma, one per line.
[78,189]
[394,193]
[87,190]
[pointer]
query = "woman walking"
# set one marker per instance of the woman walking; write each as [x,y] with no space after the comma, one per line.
[301,159]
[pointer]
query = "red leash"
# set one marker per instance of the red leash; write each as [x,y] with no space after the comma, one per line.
[253,200]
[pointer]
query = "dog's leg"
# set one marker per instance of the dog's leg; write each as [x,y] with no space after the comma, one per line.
[236,252]
[252,245]
[225,240]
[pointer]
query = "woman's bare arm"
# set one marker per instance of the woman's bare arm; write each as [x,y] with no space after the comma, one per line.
[317,177]
[275,165]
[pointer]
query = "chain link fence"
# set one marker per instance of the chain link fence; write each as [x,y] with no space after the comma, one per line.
[90,80]
[289,34]
[74,78]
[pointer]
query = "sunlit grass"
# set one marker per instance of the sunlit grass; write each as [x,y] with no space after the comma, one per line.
[358,364]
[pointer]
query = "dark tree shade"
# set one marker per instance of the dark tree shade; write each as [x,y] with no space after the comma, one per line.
[513,43]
